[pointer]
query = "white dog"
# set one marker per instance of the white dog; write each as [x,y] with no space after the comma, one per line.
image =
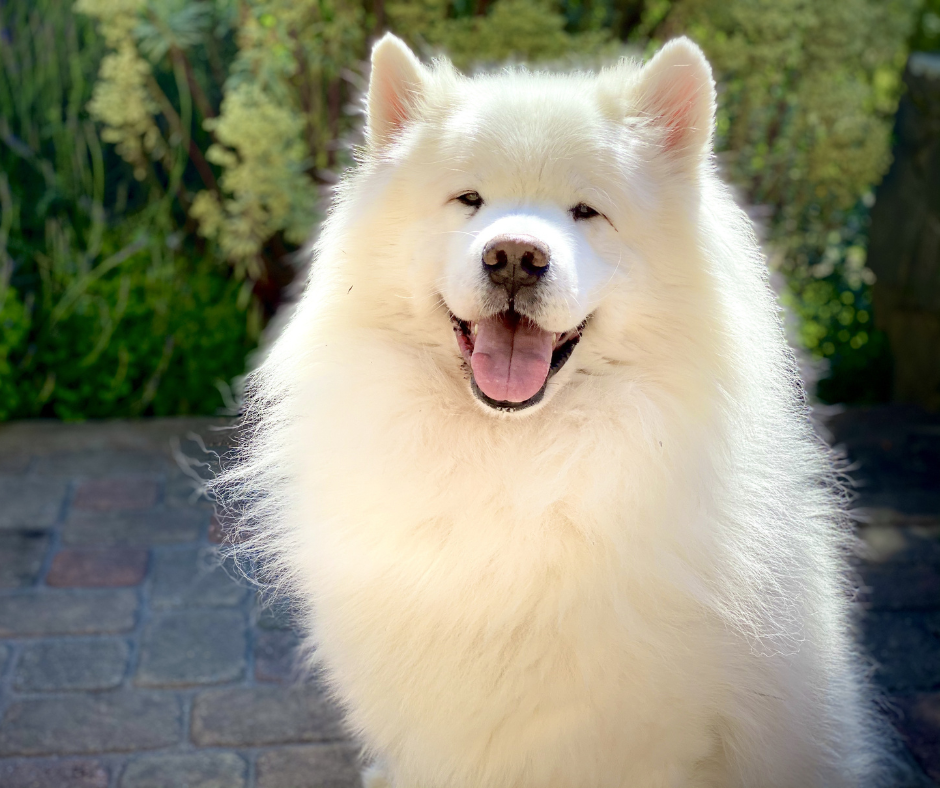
[532,452]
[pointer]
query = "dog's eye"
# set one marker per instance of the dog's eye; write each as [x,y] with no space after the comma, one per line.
[470,199]
[583,211]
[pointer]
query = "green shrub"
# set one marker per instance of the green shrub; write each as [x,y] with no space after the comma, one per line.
[510,30]
[830,295]
[807,97]
[14,330]
[107,306]
[926,36]
[153,335]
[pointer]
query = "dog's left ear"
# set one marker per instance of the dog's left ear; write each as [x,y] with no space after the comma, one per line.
[395,87]
[676,91]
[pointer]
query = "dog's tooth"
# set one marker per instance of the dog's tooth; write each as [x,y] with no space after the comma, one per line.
[473,329]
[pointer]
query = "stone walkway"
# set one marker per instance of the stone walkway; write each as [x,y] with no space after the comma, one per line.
[129,658]
[894,455]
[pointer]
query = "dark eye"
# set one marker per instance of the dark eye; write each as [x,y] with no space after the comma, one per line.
[470,199]
[583,211]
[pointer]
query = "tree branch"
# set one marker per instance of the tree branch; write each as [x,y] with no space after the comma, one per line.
[199,96]
[195,155]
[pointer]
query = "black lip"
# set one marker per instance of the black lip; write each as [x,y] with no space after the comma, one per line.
[559,357]
[504,405]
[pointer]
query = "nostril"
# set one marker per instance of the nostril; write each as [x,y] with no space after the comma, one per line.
[534,262]
[495,258]
[515,260]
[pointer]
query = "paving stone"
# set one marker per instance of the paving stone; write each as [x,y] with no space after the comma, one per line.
[895,449]
[54,773]
[222,529]
[71,665]
[911,774]
[894,518]
[151,527]
[273,613]
[61,612]
[919,724]
[193,647]
[900,586]
[309,766]
[182,490]
[13,462]
[907,653]
[5,652]
[30,502]
[260,715]
[194,577]
[21,557]
[216,533]
[190,770]
[910,501]
[118,721]
[116,493]
[98,567]
[275,655]
[46,436]
[95,462]
[893,536]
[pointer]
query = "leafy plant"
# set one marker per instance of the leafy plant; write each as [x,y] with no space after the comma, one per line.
[926,36]
[506,30]
[105,304]
[807,98]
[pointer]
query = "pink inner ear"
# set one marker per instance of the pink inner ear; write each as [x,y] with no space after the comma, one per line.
[391,103]
[677,110]
[395,109]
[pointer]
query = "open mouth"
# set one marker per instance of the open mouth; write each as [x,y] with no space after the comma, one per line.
[511,358]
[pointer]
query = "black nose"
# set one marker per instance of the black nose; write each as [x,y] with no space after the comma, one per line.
[515,261]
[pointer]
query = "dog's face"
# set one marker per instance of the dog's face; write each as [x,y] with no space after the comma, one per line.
[521,206]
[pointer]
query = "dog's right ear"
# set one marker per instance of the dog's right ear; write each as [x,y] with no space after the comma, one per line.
[395,87]
[676,93]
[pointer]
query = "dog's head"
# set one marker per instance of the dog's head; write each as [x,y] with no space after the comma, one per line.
[526,213]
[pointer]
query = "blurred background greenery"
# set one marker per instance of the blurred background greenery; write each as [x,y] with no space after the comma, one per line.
[161,162]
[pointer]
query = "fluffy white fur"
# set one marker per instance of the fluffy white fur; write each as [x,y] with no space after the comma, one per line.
[638,583]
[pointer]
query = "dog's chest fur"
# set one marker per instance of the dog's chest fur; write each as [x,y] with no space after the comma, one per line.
[522,638]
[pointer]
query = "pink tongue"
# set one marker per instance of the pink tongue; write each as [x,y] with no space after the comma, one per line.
[510,360]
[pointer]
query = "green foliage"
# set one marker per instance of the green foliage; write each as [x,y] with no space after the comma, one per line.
[265,185]
[270,136]
[278,122]
[807,97]
[519,30]
[106,307]
[926,36]
[14,330]
[830,294]
[808,94]
[154,334]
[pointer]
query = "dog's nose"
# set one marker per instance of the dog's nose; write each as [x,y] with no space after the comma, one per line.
[515,261]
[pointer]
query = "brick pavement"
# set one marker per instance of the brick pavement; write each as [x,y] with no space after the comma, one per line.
[130,658]
[894,455]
